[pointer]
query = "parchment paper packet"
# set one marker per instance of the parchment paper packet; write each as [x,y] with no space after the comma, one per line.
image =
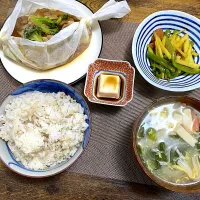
[64,46]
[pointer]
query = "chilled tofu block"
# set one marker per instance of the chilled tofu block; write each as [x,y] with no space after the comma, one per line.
[109,86]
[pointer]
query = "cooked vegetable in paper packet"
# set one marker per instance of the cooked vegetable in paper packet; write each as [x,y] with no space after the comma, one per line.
[49,33]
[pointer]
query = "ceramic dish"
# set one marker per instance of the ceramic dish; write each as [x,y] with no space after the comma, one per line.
[186,187]
[121,68]
[68,73]
[167,19]
[43,86]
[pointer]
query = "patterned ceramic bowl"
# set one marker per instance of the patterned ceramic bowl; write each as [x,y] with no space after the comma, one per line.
[120,68]
[168,19]
[43,86]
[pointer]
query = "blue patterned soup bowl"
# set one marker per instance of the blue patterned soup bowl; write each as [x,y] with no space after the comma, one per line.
[45,86]
[166,20]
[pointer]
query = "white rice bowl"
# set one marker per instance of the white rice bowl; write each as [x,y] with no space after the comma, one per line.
[43,129]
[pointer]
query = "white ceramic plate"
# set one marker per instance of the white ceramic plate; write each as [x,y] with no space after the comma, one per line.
[68,73]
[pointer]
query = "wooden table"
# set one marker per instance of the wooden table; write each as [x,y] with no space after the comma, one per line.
[78,186]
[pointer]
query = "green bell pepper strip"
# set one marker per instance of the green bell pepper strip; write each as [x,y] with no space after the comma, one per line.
[158,74]
[168,73]
[174,75]
[170,48]
[161,61]
[160,67]
[175,31]
[167,32]
[153,69]
[149,49]
[185,69]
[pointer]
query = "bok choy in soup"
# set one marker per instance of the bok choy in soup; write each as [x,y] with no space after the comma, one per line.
[168,142]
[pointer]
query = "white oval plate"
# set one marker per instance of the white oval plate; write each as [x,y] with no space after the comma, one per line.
[68,73]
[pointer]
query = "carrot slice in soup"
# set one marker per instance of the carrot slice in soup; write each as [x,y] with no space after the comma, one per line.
[195,126]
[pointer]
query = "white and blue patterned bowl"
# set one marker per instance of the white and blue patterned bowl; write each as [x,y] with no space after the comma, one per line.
[168,19]
[44,85]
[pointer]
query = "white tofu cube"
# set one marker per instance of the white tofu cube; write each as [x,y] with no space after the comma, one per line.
[109,86]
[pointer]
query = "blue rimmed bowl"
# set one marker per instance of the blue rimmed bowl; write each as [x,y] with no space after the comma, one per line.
[168,19]
[48,86]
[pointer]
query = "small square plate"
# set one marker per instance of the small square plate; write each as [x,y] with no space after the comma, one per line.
[114,67]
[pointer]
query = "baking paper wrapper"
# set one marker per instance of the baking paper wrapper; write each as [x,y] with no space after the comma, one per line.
[64,46]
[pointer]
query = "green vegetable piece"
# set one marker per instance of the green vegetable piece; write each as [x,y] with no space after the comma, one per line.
[164,113]
[170,48]
[167,32]
[141,132]
[173,157]
[185,69]
[175,31]
[153,69]
[139,149]
[192,43]
[177,73]
[151,133]
[168,73]
[161,61]
[149,49]
[158,74]
[153,165]
[160,67]
[179,67]
[44,27]
[198,145]
[161,146]
[33,33]
[161,156]
[199,139]
[165,57]
[61,18]
[52,23]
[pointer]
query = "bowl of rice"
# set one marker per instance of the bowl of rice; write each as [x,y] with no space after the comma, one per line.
[44,128]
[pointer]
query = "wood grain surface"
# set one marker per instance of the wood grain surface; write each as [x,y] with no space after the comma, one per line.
[78,186]
[142,8]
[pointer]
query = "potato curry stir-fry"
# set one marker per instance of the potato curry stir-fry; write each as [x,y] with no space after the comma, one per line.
[171,54]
